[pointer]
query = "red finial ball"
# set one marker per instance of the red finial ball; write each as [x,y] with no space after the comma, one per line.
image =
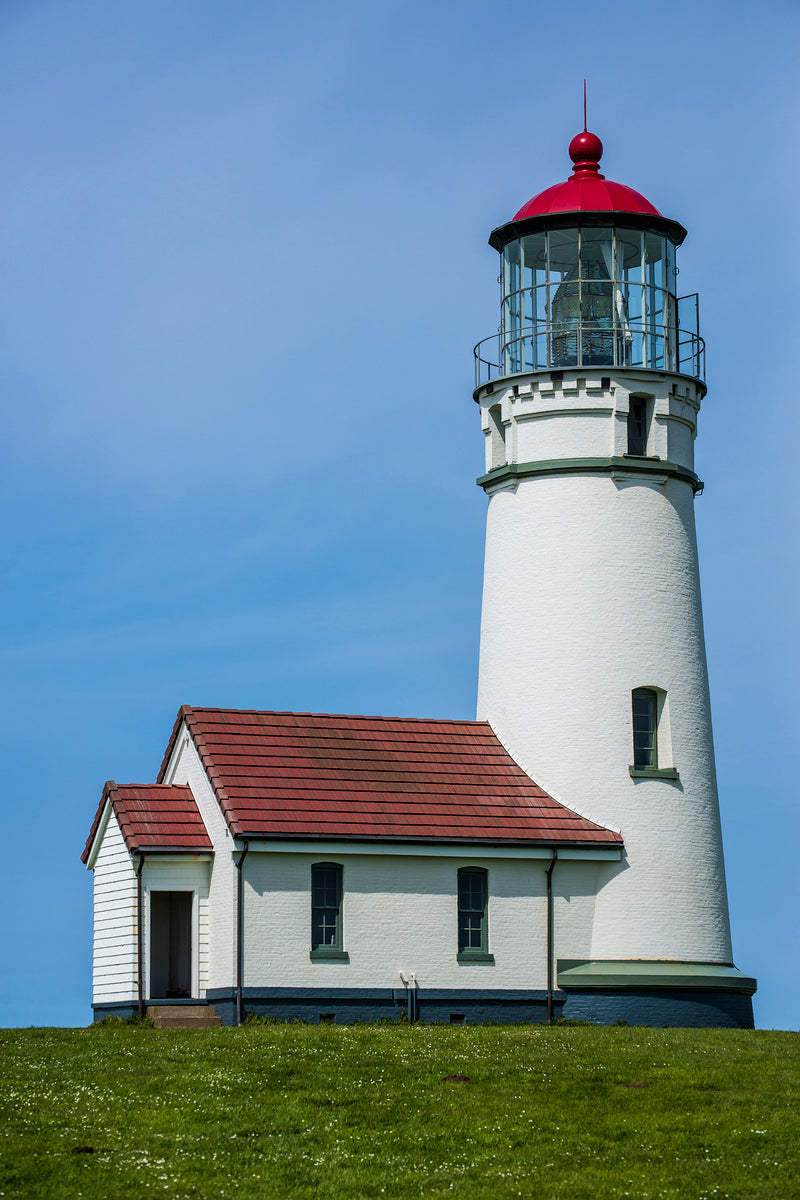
[586,148]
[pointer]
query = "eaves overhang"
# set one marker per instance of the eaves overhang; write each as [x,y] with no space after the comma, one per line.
[447,847]
[182,851]
[648,222]
[598,974]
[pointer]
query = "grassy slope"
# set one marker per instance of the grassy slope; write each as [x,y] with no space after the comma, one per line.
[295,1111]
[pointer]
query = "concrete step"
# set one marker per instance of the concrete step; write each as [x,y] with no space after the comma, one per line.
[184,1016]
[190,1010]
[178,1022]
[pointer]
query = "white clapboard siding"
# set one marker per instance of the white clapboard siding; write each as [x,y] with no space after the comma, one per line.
[114,918]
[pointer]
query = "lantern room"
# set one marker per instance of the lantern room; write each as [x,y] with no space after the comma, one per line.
[589,280]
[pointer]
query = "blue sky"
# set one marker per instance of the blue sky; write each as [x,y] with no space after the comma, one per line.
[243,262]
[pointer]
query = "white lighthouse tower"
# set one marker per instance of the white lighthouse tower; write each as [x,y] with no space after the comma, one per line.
[592,662]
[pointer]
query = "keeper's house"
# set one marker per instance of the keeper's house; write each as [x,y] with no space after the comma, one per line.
[342,868]
[336,868]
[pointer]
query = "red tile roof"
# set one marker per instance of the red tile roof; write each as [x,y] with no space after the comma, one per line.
[299,775]
[153,816]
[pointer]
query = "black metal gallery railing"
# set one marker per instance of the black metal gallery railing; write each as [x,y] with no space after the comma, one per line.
[582,344]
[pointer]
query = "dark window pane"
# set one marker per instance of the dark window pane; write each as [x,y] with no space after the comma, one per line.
[637,427]
[471,910]
[326,891]
[645,749]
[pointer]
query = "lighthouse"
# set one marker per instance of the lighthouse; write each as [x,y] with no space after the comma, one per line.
[592,658]
[559,856]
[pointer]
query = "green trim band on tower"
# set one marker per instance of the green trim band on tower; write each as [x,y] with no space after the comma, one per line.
[623,465]
[638,973]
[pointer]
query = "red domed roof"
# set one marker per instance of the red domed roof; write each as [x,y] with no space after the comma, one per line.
[586,190]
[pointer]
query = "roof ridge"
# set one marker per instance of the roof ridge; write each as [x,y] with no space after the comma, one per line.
[117,787]
[214,777]
[281,712]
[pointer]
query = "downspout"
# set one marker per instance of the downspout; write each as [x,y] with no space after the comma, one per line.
[549,877]
[240,931]
[139,938]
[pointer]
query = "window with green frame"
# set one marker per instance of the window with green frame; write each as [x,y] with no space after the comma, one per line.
[645,728]
[326,911]
[473,930]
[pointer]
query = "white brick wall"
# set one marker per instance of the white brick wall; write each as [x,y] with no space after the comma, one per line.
[576,418]
[400,913]
[591,589]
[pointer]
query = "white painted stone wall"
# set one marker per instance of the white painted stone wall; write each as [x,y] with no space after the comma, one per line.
[591,589]
[577,417]
[185,767]
[114,957]
[400,914]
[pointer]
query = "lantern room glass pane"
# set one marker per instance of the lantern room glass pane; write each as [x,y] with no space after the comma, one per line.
[671,281]
[629,254]
[511,280]
[562,253]
[597,260]
[534,251]
[511,364]
[655,258]
[597,323]
[565,310]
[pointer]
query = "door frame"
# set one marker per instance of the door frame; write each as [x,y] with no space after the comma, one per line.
[194,930]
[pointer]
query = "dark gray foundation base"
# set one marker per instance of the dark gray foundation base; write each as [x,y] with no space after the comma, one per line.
[344,1006]
[123,1010]
[655,1007]
[130,1008]
[661,1007]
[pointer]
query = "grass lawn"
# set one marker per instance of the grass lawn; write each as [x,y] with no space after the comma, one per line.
[289,1111]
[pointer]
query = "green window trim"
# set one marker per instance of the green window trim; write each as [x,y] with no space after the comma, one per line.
[473,924]
[475,956]
[328,954]
[326,911]
[653,773]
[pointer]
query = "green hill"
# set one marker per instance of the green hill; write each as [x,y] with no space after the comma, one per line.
[476,1112]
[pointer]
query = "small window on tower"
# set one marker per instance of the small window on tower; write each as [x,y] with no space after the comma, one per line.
[637,426]
[645,726]
[652,736]
[497,438]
